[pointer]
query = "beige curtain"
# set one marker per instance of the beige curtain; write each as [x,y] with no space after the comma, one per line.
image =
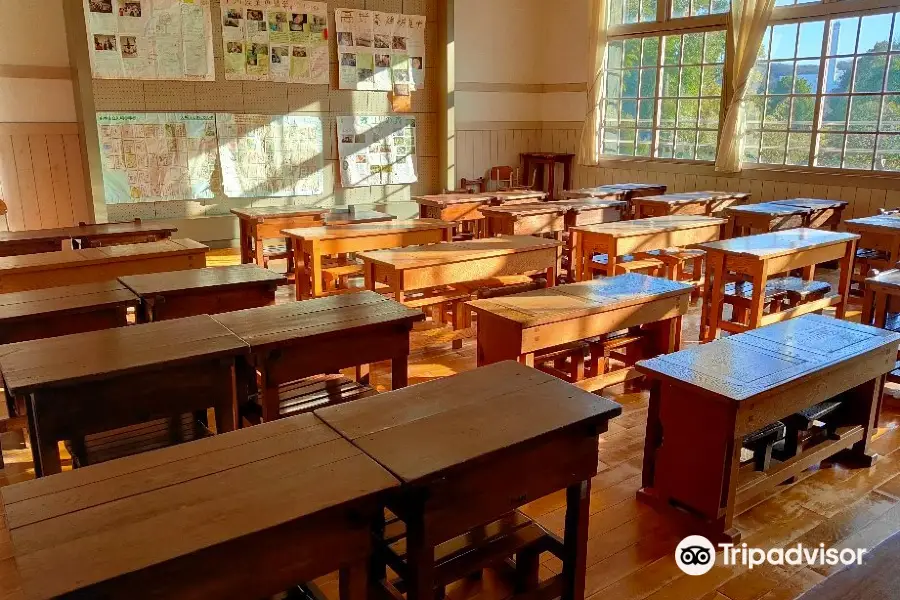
[747,24]
[588,146]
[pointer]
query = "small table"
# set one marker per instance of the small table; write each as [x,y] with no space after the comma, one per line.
[460,209]
[258,224]
[515,327]
[826,214]
[550,217]
[299,339]
[448,263]
[312,244]
[70,267]
[87,383]
[292,502]
[52,312]
[203,291]
[755,258]
[620,191]
[881,232]
[642,235]
[765,217]
[471,448]
[708,398]
[536,162]
[712,204]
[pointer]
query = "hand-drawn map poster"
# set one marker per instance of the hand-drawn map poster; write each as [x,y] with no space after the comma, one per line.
[150,39]
[275,40]
[377,150]
[150,157]
[266,155]
[380,51]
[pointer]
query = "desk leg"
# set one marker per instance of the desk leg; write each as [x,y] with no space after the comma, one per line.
[227,400]
[44,449]
[245,242]
[863,408]
[551,180]
[731,227]
[420,559]
[353,581]
[301,273]
[399,371]
[315,269]
[846,266]
[578,499]
[567,175]
[758,301]
[715,290]
[258,247]
[576,268]
[362,374]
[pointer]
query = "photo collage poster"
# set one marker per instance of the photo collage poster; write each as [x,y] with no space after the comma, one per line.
[380,51]
[275,40]
[150,39]
[377,150]
[149,157]
[266,155]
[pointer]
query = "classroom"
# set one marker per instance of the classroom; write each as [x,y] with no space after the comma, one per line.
[450,299]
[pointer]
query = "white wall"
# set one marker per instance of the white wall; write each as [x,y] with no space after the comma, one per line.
[32,34]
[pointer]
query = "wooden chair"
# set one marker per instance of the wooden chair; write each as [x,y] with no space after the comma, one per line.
[472,186]
[504,178]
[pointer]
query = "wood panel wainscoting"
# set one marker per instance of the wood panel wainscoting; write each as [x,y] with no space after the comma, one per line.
[482,145]
[42,176]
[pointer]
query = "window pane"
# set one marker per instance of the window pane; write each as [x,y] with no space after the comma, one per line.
[859,151]
[645,113]
[869,73]
[777,110]
[751,147]
[706,145]
[781,77]
[874,33]
[709,113]
[798,149]
[632,56]
[802,112]
[810,40]
[837,75]
[681,8]
[806,79]
[690,81]
[693,49]
[712,81]
[772,148]
[628,115]
[887,154]
[890,114]
[650,55]
[631,11]
[842,38]
[834,113]
[893,75]
[864,111]
[696,8]
[630,79]
[714,51]
[672,50]
[666,144]
[648,83]
[784,41]
[685,144]
[667,111]
[687,113]
[754,108]
[831,148]
[670,81]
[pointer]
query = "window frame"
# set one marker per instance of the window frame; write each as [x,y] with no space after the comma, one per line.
[781,14]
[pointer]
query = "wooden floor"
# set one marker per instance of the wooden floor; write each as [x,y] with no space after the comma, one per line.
[630,554]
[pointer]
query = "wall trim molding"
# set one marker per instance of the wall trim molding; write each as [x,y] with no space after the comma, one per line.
[35,72]
[520,88]
[62,128]
[507,125]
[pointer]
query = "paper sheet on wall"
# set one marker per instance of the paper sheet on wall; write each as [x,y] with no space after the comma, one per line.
[380,51]
[150,39]
[265,155]
[150,157]
[275,40]
[377,150]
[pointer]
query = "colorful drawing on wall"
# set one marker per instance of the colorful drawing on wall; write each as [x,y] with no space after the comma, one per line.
[377,150]
[380,51]
[266,155]
[149,157]
[275,40]
[150,39]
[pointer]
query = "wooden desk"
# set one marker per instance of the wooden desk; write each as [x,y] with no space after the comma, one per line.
[469,449]
[69,267]
[643,235]
[203,291]
[311,244]
[515,327]
[881,232]
[880,298]
[454,208]
[17,243]
[712,204]
[708,398]
[826,214]
[765,217]
[757,257]
[262,223]
[550,217]
[536,162]
[620,191]
[518,196]
[248,514]
[51,312]
[300,339]
[448,263]
[87,383]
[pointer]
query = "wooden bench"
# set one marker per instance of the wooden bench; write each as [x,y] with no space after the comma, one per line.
[489,441]
[249,514]
[309,394]
[78,385]
[84,235]
[203,291]
[72,267]
[707,399]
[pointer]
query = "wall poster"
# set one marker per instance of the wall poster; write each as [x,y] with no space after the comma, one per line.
[150,39]
[275,40]
[149,157]
[377,150]
[380,51]
[269,155]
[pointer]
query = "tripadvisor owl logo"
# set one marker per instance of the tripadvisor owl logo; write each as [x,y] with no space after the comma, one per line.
[695,555]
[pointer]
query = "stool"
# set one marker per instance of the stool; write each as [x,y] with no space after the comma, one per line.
[760,443]
[336,272]
[801,422]
[866,260]
[567,362]
[797,291]
[739,294]
[441,303]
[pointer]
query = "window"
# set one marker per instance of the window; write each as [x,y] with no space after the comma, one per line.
[625,12]
[696,8]
[663,96]
[827,94]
